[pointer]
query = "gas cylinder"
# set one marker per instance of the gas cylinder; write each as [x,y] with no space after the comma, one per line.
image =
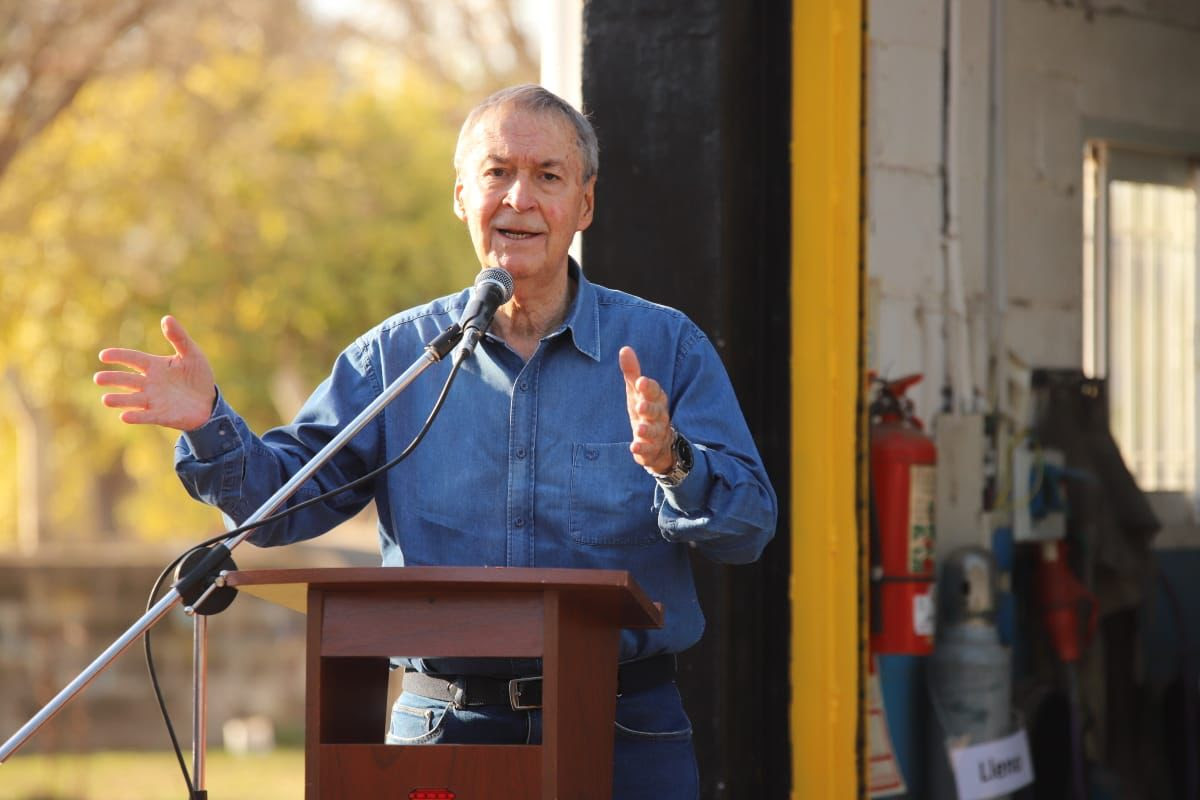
[903,464]
[969,671]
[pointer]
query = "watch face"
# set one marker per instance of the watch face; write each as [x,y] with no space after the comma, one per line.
[681,448]
[683,452]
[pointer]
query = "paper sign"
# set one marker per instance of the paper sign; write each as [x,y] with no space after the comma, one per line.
[993,768]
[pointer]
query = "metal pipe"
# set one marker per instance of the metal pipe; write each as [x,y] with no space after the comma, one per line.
[199,699]
[997,283]
[957,322]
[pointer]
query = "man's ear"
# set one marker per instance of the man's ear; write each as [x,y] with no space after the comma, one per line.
[459,210]
[589,203]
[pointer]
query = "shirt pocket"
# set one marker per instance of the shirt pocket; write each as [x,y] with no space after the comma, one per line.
[611,497]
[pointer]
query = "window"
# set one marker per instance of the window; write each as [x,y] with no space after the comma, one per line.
[1139,287]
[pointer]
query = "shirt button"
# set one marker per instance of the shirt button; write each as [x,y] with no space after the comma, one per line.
[524,386]
[519,522]
[520,452]
[591,454]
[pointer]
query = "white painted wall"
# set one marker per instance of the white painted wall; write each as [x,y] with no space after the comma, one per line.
[561,37]
[1131,65]
[903,191]
[1067,75]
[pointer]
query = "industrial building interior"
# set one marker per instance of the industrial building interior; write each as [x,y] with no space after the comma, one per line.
[1030,174]
[998,196]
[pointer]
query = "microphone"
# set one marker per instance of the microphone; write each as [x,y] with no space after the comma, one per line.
[493,288]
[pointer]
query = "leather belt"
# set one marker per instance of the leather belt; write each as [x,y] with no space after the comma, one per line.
[525,693]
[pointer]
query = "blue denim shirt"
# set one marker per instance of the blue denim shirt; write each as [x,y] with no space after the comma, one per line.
[528,463]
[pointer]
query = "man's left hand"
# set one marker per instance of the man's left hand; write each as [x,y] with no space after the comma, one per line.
[649,419]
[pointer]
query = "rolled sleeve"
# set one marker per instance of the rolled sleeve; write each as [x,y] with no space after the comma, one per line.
[211,459]
[726,506]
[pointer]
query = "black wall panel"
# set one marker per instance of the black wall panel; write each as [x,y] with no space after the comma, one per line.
[691,101]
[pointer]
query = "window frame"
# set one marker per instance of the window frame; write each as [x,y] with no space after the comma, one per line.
[1106,162]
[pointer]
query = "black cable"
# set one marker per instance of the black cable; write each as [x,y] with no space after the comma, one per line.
[354,484]
[162,703]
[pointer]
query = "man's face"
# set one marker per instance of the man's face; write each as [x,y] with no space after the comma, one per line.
[520,191]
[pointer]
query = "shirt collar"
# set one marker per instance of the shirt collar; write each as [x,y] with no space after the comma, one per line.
[583,317]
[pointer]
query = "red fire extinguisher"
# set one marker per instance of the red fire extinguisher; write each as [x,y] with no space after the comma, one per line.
[903,485]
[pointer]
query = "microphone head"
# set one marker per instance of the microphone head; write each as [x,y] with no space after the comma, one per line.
[498,277]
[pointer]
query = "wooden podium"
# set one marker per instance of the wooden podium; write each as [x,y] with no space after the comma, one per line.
[359,617]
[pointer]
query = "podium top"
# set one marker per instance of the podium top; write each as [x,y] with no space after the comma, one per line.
[289,587]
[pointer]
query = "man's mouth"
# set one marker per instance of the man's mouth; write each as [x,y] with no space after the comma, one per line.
[516,235]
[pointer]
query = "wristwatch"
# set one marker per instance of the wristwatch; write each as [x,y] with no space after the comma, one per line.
[681,448]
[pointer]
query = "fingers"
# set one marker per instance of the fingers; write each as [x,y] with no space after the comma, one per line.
[645,396]
[138,408]
[649,417]
[136,405]
[176,335]
[134,359]
[648,407]
[630,367]
[135,400]
[175,391]
[138,417]
[121,380]
[134,381]
[124,400]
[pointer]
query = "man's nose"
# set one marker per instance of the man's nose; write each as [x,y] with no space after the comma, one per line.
[520,194]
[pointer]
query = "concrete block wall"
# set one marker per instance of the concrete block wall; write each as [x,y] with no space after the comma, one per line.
[59,610]
[903,191]
[1127,68]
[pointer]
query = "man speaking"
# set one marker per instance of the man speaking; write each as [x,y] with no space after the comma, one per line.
[588,429]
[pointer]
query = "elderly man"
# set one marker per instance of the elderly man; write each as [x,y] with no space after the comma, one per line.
[552,450]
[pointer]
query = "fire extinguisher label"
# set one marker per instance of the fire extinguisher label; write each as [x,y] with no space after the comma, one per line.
[922,485]
[923,616]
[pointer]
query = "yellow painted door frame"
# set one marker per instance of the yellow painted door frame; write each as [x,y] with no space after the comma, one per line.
[827,639]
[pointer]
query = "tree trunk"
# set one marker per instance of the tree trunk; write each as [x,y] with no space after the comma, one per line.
[108,487]
[32,447]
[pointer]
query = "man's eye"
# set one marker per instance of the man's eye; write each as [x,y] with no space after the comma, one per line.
[549,176]
[494,172]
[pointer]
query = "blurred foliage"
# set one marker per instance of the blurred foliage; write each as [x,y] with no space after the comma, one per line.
[276,200]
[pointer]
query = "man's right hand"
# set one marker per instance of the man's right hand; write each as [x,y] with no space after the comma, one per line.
[173,391]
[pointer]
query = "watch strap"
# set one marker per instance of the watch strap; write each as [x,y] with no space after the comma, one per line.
[681,464]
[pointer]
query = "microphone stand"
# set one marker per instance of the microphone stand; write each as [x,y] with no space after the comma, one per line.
[200,578]
[199,705]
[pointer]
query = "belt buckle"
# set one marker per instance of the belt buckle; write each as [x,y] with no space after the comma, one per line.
[514,693]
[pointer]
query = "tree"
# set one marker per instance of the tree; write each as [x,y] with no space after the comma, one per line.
[50,52]
[275,198]
[476,44]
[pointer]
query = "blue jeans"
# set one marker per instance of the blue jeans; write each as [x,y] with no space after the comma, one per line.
[652,754]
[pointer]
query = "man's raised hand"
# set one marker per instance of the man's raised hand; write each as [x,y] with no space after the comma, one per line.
[649,419]
[175,391]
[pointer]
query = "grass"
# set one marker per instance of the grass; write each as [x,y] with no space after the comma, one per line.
[150,776]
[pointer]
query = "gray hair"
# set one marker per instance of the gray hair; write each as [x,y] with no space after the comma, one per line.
[534,98]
